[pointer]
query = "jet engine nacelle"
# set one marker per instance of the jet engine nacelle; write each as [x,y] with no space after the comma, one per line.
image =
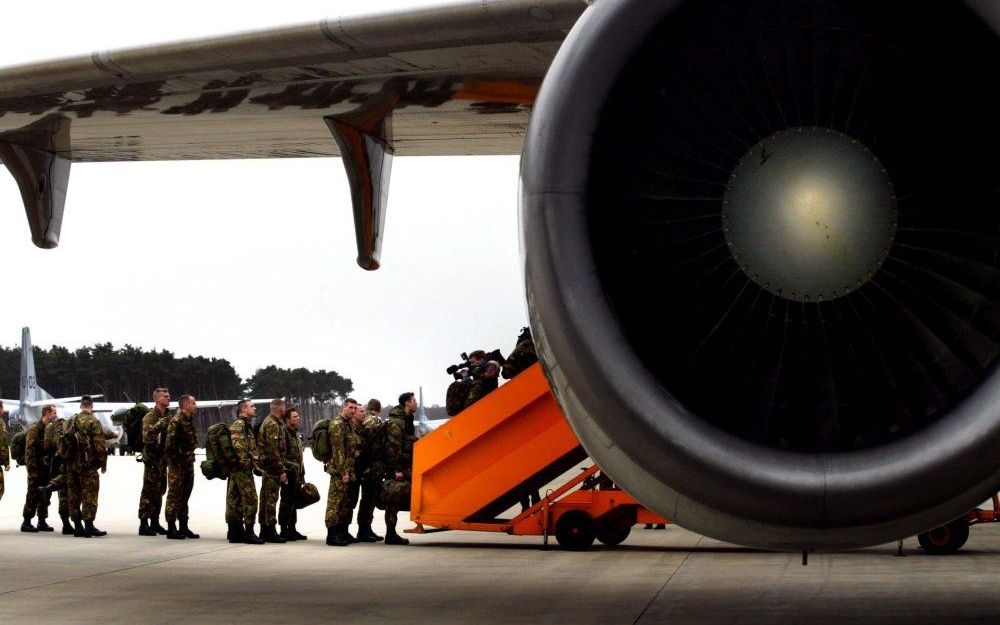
[761,249]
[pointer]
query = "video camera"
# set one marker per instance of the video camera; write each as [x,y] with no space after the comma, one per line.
[453,370]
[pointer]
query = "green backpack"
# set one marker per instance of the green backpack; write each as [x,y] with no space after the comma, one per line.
[220,455]
[17,448]
[320,438]
[69,446]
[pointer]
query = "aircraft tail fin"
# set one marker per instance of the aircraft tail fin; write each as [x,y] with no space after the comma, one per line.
[30,391]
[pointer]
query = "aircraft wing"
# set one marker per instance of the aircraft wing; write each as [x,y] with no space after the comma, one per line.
[457,79]
[452,79]
[208,403]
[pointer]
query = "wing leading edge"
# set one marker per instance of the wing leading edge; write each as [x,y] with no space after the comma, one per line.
[444,80]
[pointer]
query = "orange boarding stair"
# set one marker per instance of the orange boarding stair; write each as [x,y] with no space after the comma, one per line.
[490,456]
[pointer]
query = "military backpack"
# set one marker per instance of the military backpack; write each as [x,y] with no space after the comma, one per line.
[458,392]
[17,447]
[220,455]
[70,446]
[320,441]
[133,426]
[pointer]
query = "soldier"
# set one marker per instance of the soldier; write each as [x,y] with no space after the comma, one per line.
[36,497]
[271,447]
[82,447]
[241,494]
[350,499]
[400,437]
[4,449]
[179,449]
[370,469]
[295,470]
[484,384]
[154,476]
[57,472]
[343,451]
[522,357]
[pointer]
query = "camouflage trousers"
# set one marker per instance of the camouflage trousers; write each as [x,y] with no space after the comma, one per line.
[335,497]
[82,488]
[1,483]
[288,514]
[369,491]
[58,484]
[270,487]
[349,502]
[241,498]
[180,482]
[154,485]
[35,502]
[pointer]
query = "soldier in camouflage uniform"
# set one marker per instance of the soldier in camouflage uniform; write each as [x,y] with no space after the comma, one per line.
[370,468]
[57,471]
[484,384]
[241,494]
[343,452]
[4,449]
[36,498]
[82,480]
[295,470]
[400,436]
[154,476]
[350,499]
[522,357]
[271,448]
[179,448]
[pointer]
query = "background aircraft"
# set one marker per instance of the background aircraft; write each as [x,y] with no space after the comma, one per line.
[808,190]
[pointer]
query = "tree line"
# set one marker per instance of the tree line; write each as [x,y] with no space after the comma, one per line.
[130,373]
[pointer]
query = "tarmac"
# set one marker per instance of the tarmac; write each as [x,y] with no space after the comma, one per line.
[670,576]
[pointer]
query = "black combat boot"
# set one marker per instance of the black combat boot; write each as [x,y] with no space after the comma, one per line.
[154,524]
[172,532]
[297,535]
[334,537]
[27,526]
[286,533]
[186,531]
[67,529]
[346,529]
[93,531]
[145,529]
[251,538]
[366,535]
[78,530]
[43,526]
[235,533]
[391,537]
[270,535]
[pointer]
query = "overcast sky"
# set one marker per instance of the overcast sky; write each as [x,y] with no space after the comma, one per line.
[274,278]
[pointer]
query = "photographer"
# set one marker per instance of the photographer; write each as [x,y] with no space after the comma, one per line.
[485,383]
[467,373]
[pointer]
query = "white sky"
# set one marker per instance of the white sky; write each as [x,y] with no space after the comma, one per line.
[172,255]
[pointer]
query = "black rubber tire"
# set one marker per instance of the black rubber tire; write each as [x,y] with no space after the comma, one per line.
[946,539]
[575,530]
[613,535]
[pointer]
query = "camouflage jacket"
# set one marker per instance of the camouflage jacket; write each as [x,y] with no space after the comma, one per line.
[244,444]
[271,446]
[372,458]
[182,439]
[4,445]
[521,358]
[154,429]
[52,431]
[93,452]
[480,387]
[399,440]
[293,451]
[344,444]
[34,447]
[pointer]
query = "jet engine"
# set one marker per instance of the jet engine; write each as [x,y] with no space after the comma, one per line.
[761,253]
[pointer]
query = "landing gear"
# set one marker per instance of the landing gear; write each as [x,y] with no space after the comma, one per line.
[946,539]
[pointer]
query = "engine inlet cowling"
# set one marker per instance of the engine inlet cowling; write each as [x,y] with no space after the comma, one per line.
[761,244]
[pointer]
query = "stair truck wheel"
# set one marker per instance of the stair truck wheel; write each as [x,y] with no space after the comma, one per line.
[613,535]
[613,528]
[945,539]
[575,530]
